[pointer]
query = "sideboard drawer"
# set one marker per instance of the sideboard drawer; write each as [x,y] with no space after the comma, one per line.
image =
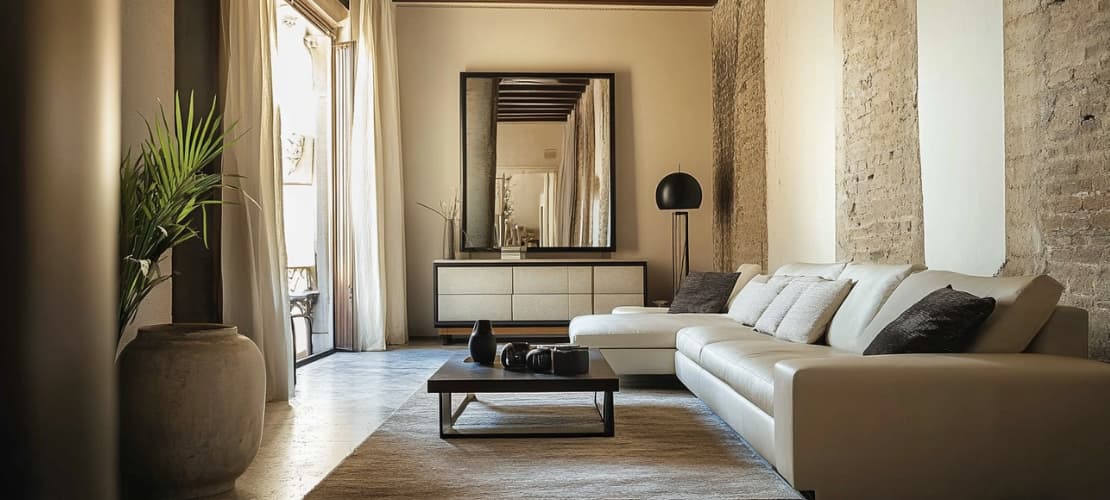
[541,307]
[540,279]
[475,280]
[605,302]
[475,307]
[618,279]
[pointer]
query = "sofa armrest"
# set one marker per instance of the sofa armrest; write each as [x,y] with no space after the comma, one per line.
[930,425]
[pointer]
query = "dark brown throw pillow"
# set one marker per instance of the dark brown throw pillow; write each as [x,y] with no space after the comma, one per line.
[704,293]
[944,321]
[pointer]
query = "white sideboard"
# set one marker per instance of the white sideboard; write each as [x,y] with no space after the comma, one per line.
[533,293]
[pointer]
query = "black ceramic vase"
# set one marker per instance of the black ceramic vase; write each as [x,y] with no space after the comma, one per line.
[483,345]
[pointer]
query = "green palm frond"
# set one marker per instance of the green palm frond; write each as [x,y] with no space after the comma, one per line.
[160,189]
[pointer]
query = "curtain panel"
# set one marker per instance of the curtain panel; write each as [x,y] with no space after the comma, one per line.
[376,188]
[255,289]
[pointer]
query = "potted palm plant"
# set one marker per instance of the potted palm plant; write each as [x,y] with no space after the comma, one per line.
[192,396]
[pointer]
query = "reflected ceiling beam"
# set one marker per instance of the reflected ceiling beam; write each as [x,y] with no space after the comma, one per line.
[524,99]
[545,87]
[646,3]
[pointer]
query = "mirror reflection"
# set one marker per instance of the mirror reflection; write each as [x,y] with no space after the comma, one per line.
[537,166]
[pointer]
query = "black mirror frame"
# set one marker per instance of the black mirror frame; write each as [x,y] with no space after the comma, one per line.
[612,247]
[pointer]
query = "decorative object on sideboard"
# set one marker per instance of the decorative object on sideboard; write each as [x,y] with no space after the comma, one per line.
[183,388]
[448,211]
[483,344]
[513,253]
[679,192]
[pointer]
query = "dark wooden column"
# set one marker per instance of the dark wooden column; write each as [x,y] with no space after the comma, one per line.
[197,288]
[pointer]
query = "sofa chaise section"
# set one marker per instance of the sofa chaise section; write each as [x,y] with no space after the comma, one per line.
[642,344]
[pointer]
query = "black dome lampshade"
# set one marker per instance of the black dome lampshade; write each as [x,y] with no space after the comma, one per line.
[678,191]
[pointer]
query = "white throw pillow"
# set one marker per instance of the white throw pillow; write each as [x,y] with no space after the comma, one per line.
[752,300]
[772,316]
[807,319]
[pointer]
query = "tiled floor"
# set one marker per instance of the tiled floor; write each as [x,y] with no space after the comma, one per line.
[339,401]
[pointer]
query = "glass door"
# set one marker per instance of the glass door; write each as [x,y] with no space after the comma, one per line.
[303,83]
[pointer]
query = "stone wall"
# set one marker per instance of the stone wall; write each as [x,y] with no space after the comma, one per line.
[739,135]
[878,171]
[1057,63]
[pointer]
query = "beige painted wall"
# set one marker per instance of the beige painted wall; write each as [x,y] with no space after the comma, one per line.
[147,76]
[802,81]
[663,113]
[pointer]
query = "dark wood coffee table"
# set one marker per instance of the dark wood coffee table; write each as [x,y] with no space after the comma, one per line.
[459,375]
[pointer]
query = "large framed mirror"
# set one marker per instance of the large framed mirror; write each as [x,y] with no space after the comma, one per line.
[538,161]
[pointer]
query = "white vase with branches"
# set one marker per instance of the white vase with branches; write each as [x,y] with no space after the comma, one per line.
[448,211]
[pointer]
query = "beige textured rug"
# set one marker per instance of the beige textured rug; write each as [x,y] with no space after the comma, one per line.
[668,444]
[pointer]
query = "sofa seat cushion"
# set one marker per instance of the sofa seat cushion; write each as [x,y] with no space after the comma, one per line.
[748,365]
[642,331]
[638,310]
[690,341]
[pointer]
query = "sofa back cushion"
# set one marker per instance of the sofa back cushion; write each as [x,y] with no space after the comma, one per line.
[1022,306]
[747,272]
[824,271]
[872,285]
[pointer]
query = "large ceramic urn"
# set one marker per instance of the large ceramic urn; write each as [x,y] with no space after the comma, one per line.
[192,397]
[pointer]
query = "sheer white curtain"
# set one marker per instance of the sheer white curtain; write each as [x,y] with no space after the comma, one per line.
[565,184]
[255,288]
[376,197]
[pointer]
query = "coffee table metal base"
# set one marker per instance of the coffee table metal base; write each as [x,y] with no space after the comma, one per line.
[448,417]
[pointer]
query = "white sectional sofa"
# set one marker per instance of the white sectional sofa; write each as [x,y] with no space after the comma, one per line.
[1023,415]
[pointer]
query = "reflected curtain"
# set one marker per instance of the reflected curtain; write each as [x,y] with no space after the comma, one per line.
[255,291]
[565,184]
[602,136]
[376,187]
[584,180]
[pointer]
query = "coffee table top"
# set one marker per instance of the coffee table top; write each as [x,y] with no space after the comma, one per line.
[459,375]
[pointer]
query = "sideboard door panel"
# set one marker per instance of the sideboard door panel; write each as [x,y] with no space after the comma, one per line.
[618,279]
[539,280]
[580,279]
[605,302]
[541,307]
[581,305]
[475,307]
[475,280]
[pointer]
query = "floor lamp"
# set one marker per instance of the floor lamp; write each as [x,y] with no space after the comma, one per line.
[679,192]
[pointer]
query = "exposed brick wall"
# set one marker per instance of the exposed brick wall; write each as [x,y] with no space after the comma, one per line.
[739,135]
[878,168]
[1057,63]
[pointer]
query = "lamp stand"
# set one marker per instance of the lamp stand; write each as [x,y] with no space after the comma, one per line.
[680,249]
